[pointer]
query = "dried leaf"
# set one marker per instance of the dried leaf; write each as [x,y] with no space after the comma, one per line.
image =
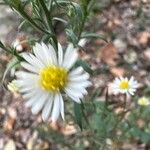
[109,54]
[69,130]
[9,123]
[64,129]
[10,120]
[147,54]
[117,71]
[144,37]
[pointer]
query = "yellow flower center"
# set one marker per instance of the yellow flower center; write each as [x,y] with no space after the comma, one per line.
[124,85]
[53,78]
[143,101]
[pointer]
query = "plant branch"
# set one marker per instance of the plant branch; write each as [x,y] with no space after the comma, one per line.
[49,19]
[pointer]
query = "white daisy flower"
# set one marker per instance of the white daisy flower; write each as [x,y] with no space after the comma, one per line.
[143,101]
[48,77]
[124,86]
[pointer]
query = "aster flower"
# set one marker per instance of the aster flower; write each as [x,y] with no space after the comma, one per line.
[48,77]
[124,86]
[143,101]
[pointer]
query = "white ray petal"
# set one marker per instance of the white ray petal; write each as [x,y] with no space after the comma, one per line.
[39,104]
[34,99]
[61,106]
[78,78]
[76,71]
[74,93]
[77,88]
[21,83]
[75,99]
[26,75]
[26,89]
[30,94]
[31,59]
[47,54]
[38,53]
[47,108]
[29,67]
[60,54]
[70,57]
[82,84]
[53,54]
[56,108]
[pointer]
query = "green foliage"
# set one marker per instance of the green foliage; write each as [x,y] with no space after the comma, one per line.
[85,65]
[78,114]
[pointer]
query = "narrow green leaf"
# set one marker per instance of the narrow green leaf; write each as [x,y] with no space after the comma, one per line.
[85,66]
[78,114]
[93,35]
[11,64]
[71,36]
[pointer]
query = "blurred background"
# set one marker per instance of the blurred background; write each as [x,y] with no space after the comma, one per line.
[126,26]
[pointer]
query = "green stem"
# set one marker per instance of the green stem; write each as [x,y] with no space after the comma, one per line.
[49,19]
[25,16]
[85,14]
[8,50]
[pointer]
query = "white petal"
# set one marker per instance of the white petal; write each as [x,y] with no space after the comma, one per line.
[79,78]
[26,75]
[61,106]
[47,108]
[53,54]
[77,88]
[31,59]
[38,53]
[60,55]
[73,93]
[30,94]
[75,99]
[70,57]
[30,67]
[131,79]
[56,108]
[47,54]
[117,81]
[26,83]
[80,83]
[76,71]
[26,89]
[39,104]
[34,99]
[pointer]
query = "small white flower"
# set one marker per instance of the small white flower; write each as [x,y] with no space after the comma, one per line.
[49,76]
[124,86]
[143,101]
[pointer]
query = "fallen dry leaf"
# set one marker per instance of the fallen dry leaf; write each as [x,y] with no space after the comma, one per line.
[109,54]
[144,37]
[67,129]
[117,71]
[10,120]
[8,124]
[147,54]
[140,123]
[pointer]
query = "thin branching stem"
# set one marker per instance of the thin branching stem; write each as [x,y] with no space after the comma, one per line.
[49,19]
